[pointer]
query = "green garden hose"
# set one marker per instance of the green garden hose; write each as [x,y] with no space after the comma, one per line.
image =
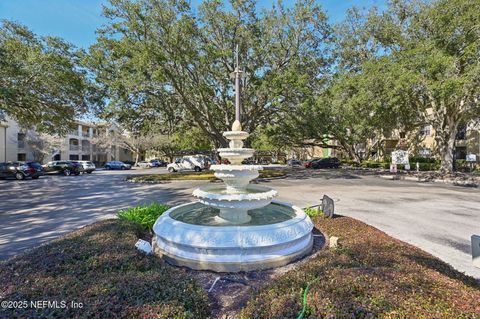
[305,293]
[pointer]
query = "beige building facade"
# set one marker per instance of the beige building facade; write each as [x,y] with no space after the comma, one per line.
[423,143]
[79,144]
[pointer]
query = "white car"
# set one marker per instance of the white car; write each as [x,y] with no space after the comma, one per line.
[189,163]
[88,167]
[144,164]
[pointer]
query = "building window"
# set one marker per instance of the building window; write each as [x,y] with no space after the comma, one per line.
[21,140]
[21,157]
[402,134]
[74,157]
[426,130]
[85,157]
[462,132]
[73,143]
[56,157]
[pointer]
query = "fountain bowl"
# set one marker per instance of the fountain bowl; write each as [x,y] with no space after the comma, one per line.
[232,248]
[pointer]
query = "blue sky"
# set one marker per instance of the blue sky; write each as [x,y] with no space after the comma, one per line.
[77,20]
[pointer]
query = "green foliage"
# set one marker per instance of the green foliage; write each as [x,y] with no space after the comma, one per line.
[413,64]
[313,212]
[375,164]
[41,81]
[162,63]
[192,138]
[144,215]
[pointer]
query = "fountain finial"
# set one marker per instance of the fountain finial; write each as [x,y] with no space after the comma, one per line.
[237,126]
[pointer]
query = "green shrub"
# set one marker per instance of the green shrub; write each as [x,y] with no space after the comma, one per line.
[375,164]
[313,212]
[420,159]
[145,215]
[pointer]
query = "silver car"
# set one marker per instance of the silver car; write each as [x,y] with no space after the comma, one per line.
[88,167]
[144,164]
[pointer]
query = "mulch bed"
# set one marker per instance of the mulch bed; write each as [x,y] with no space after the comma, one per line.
[369,275]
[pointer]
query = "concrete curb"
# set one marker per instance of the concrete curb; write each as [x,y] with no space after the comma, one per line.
[464,183]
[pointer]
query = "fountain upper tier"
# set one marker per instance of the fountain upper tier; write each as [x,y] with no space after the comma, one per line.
[237,197]
[235,152]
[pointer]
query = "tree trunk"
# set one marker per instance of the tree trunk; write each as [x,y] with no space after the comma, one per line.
[446,154]
[350,150]
[447,145]
[137,155]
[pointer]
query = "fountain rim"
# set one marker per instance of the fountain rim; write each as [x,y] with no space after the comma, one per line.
[299,216]
[204,192]
[229,167]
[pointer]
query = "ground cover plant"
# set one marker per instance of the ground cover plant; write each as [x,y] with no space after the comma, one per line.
[370,275]
[144,215]
[201,176]
[99,267]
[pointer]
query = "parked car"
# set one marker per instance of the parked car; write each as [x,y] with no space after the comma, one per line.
[117,165]
[248,162]
[189,163]
[329,162]
[294,162]
[308,164]
[66,168]
[21,170]
[158,163]
[144,164]
[88,167]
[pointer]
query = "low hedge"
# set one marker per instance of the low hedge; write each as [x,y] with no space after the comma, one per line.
[423,166]
[202,176]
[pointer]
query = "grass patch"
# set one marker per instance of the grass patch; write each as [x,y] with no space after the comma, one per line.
[99,266]
[199,176]
[145,215]
[371,275]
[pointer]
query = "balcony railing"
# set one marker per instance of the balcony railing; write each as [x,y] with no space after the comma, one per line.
[74,147]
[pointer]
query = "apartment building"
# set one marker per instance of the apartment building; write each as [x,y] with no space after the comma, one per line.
[422,142]
[79,144]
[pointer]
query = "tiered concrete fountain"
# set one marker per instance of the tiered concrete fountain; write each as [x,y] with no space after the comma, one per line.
[235,226]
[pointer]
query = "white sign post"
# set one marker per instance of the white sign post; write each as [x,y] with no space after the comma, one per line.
[399,157]
[471,160]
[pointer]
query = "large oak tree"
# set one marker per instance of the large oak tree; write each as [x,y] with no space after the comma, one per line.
[162,62]
[41,81]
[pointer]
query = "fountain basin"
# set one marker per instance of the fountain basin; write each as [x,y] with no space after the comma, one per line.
[233,248]
[236,155]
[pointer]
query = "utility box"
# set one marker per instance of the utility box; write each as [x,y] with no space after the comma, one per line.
[476,250]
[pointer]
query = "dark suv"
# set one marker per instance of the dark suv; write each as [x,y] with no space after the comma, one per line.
[329,162]
[63,167]
[21,170]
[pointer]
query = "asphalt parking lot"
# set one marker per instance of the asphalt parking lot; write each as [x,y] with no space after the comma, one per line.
[438,218]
